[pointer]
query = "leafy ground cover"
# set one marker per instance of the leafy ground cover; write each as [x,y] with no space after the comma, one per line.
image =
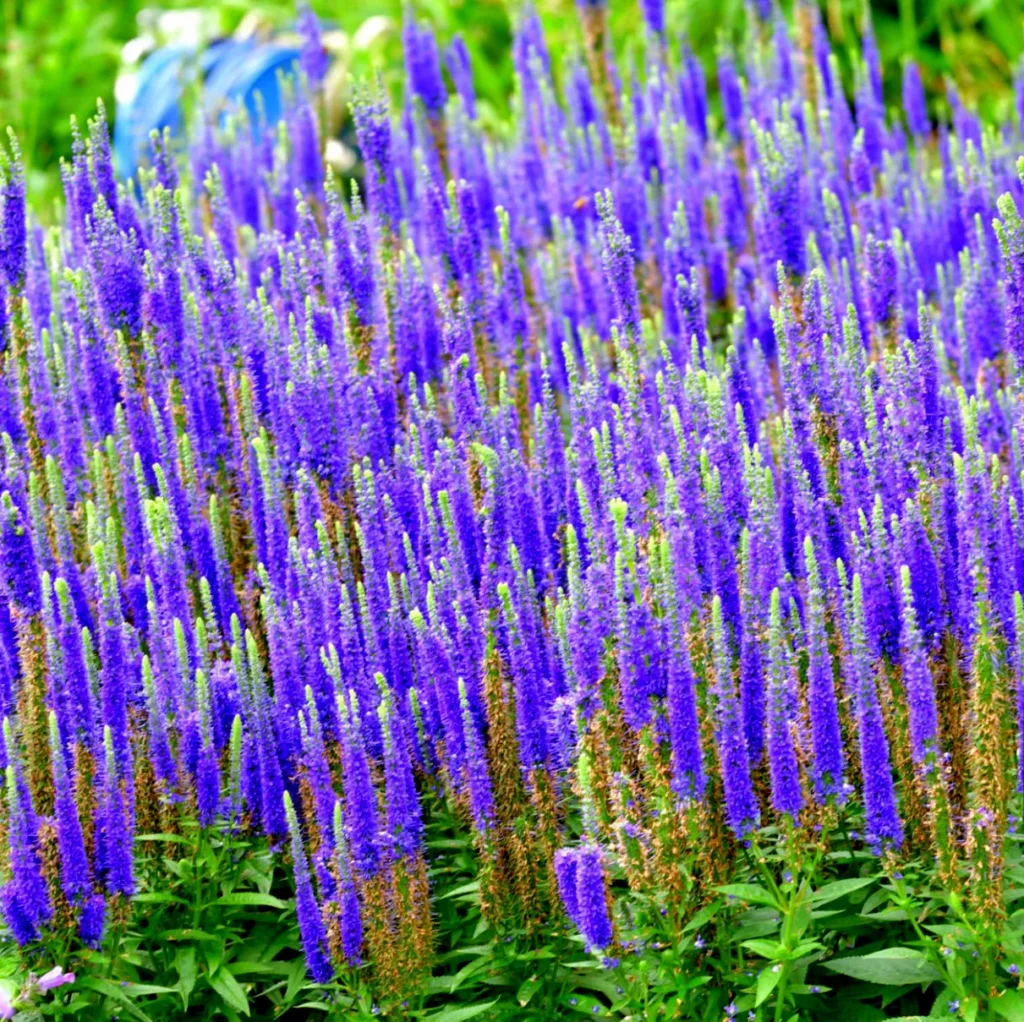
[576,572]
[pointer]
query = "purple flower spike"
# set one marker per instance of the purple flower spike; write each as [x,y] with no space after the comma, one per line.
[826,737]
[313,60]
[19,574]
[884,827]
[654,15]
[12,215]
[787,798]
[591,904]
[311,926]
[917,679]
[423,65]
[740,801]
[913,101]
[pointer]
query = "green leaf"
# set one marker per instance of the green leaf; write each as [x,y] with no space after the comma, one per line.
[825,913]
[471,888]
[185,962]
[213,954]
[808,947]
[251,898]
[448,842]
[1009,1005]
[889,915]
[466,971]
[297,979]
[875,899]
[595,982]
[696,981]
[893,966]
[800,920]
[536,955]
[230,990]
[115,992]
[758,929]
[754,893]
[527,989]
[585,1006]
[259,968]
[157,898]
[706,914]
[187,934]
[471,949]
[770,949]
[173,839]
[839,889]
[767,981]
[460,1014]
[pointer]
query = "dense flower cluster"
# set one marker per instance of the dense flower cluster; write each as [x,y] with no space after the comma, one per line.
[649,472]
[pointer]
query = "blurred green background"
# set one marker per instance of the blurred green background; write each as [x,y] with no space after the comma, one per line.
[58,56]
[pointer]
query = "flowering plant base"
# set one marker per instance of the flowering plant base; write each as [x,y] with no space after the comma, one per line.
[578,572]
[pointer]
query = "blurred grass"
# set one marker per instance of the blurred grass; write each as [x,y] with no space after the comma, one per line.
[58,56]
[976,43]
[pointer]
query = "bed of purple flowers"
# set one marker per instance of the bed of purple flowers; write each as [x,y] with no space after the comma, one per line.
[578,573]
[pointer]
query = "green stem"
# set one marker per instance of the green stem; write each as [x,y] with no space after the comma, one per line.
[908,24]
[197,913]
[793,902]
[787,943]
[903,902]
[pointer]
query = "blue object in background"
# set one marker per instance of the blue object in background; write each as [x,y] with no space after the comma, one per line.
[232,72]
[244,73]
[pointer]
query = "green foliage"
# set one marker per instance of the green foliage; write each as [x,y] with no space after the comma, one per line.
[212,934]
[59,57]
[978,45]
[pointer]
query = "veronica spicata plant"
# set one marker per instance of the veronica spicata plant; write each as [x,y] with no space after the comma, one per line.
[578,571]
